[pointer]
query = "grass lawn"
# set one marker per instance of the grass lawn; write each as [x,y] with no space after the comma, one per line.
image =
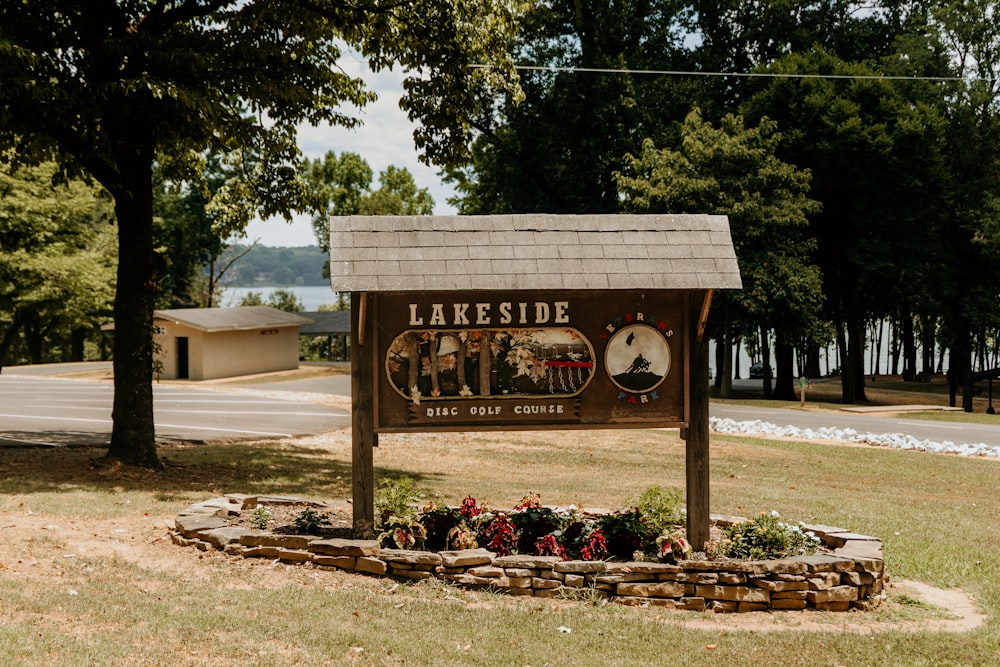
[87,576]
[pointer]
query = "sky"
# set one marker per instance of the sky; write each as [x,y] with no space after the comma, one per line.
[385,138]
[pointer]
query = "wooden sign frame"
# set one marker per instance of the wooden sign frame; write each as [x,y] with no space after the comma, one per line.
[389,328]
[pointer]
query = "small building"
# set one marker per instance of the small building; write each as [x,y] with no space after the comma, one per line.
[209,343]
[335,327]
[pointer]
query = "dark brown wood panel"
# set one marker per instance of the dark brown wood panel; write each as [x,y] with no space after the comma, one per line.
[561,359]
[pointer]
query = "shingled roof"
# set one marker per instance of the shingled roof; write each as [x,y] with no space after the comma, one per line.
[531,252]
[243,318]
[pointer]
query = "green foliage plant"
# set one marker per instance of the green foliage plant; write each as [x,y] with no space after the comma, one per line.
[625,532]
[311,522]
[396,497]
[661,508]
[766,536]
[260,517]
[402,532]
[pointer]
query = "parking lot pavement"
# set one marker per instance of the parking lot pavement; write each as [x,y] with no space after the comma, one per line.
[36,410]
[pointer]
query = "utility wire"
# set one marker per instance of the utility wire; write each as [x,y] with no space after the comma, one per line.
[770,75]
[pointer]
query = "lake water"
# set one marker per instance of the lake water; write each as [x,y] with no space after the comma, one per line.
[311,296]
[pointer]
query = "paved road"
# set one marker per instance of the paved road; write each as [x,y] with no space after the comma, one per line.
[36,408]
[39,410]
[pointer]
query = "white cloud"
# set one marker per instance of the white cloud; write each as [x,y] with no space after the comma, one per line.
[385,138]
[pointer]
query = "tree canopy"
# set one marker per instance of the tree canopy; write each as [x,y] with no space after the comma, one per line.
[112,88]
[57,261]
[342,185]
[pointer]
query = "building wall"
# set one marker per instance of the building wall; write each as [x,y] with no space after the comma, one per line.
[228,353]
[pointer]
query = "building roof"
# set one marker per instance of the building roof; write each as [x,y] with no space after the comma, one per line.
[531,252]
[243,318]
[326,322]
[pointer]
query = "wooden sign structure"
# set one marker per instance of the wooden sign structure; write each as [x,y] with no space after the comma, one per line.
[531,322]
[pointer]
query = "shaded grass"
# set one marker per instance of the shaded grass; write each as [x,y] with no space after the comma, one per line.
[939,516]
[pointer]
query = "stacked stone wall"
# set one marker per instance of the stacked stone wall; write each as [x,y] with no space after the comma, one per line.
[851,576]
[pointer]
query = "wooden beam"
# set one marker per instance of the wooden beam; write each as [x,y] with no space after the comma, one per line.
[706,304]
[363,436]
[696,459]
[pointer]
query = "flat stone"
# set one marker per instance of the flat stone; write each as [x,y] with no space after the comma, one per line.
[371,565]
[344,547]
[573,580]
[870,549]
[545,584]
[732,593]
[192,526]
[822,563]
[691,604]
[823,580]
[779,566]
[580,566]
[745,607]
[220,537]
[261,552]
[780,586]
[488,571]
[521,572]
[529,562]
[294,555]
[468,579]
[856,579]
[836,594]
[261,539]
[467,557]
[659,589]
[638,567]
[340,562]
[410,557]
[789,595]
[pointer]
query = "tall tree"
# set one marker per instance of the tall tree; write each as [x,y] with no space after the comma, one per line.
[874,153]
[733,170]
[111,88]
[968,277]
[56,259]
[185,235]
[556,151]
[341,185]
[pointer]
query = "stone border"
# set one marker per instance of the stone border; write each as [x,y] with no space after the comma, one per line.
[853,576]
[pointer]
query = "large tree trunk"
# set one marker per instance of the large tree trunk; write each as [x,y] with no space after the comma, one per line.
[724,364]
[133,437]
[765,354]
[784,359]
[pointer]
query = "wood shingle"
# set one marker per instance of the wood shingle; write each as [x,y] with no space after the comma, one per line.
[531,252]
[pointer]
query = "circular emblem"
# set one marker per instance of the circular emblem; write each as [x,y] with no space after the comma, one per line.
[637,358]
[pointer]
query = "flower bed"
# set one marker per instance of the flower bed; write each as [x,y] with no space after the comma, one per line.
[850,574]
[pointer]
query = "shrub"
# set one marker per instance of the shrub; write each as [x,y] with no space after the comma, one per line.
[532,522]
[260,517]
[765,537]
[395,497]
[498,534]
[311,522]
[625,533]
[661,508]
[402,533]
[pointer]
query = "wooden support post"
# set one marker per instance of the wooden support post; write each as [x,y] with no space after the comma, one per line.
[696,450]
[363,436]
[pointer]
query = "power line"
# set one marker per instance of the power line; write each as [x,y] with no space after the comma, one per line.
[748,75]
